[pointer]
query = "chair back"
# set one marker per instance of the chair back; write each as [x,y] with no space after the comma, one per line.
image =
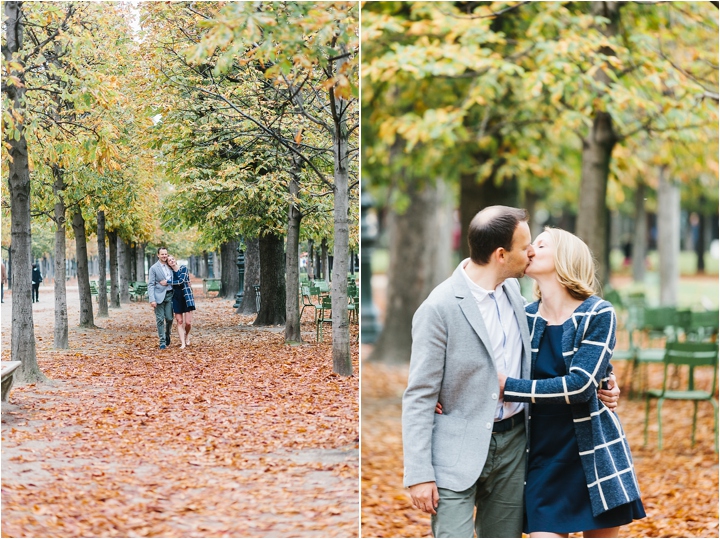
[660,321]
[314,290]
[691,354]
[305,290]
[327,302]
[703,324]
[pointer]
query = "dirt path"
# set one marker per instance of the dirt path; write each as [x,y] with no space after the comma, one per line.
[239,435]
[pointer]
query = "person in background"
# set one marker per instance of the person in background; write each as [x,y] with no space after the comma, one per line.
[37,278]
[183,301]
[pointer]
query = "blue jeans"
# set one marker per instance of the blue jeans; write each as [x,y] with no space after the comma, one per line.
[164,318]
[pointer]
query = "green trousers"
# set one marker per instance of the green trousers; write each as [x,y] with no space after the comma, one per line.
[497,494]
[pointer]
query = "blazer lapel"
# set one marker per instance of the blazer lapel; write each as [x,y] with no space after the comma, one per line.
[470,309]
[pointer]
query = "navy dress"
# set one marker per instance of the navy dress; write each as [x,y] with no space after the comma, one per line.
[556,493]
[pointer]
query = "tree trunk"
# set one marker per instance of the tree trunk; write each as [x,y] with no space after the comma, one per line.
[60,337]
[124,270]
[140,262]
[668,201]
[272,282]
[700,244]
[102,257]
[414,235]
[22,345]
[475,196]
[639,248]
[311,260]
[292,258]
[325,261]
[114,284]
[229,275]
[86,311]
[252,276]
[592,228]
[596,154]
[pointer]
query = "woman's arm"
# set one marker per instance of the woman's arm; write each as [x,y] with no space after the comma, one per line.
[183,276]
[587,369]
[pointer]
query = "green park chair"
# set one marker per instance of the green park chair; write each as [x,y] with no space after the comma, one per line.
[690,355]
[652,324]
[323,286]
[306,299]
[702,326]
[324,315]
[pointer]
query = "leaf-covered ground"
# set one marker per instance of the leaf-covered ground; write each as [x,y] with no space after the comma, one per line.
[238,435]
[679,484]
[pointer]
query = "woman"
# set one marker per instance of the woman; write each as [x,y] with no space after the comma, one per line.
[37,278]
[183,300]
[580,475]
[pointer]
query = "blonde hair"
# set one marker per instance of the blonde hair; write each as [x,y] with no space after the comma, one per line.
[574,265]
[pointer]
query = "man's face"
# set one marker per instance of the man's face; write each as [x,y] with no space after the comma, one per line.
[163,256]
[518,259]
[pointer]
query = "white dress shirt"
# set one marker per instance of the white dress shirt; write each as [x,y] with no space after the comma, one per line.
[502,326]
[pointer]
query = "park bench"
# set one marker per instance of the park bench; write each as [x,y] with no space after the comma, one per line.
[138,290]
[211,285]
[8,370]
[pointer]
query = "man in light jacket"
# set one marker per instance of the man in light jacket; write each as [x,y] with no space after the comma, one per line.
[160,296]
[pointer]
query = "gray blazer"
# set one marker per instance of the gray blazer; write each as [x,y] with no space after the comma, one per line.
[452,362]
[156,291]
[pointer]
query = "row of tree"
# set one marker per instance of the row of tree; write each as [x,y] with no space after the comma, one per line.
[237,122]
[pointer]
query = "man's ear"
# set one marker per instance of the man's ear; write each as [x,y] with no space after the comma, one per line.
[500,254]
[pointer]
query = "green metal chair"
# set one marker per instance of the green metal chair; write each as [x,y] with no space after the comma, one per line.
[322,312]
[702,326]
[690,355]
[306,299]
[653,324]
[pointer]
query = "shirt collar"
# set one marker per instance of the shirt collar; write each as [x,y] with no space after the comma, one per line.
[478,291]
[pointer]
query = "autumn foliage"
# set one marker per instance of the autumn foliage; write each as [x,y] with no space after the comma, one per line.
[679,484]
[238,435]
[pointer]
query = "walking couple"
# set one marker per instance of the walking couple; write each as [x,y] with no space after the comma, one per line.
[169,292]
[509,407]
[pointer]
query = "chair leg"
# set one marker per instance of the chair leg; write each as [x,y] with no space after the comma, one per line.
[692,438]
[659,412]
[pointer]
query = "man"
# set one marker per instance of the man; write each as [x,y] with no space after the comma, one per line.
[160,296]
[471,327]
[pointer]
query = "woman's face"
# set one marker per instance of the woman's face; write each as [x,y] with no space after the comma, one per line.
[171,261]
[543,262]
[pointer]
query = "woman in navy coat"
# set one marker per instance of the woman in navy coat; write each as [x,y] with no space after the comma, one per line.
[580,474]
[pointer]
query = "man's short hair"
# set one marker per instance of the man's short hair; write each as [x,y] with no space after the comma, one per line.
[161,248]
[491,228]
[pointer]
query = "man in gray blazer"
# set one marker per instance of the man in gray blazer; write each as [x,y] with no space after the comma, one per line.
[160,296]
[471,327]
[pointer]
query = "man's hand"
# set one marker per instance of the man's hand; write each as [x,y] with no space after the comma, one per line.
[425,496]
[153,304]
[611,396]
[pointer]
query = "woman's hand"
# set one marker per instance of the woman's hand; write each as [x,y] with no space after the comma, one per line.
[438,408]
[501,380]
[610,397]
[163,282]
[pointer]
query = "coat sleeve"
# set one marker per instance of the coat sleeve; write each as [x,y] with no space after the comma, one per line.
[427,366]
[182,276]
[593,346]
[152,281]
